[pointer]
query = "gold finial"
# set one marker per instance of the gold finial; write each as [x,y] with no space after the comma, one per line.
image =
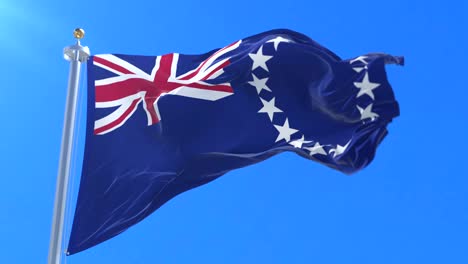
[78,33]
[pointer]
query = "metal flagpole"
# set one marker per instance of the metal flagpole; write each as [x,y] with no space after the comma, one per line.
[76,54]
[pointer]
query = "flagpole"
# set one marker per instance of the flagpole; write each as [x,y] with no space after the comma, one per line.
[76,54]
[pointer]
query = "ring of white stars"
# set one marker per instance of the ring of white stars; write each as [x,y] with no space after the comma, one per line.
[285,131]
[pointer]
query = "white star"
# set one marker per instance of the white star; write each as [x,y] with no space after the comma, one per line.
[358,69]
[316,149]
[260,84]
[339,149]
[285,131]
[259,60]
[269,108]
[366,87]
[298,142]
[367,112]
[360,58]
[277,41]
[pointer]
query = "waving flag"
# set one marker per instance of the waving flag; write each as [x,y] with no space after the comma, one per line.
[161,125]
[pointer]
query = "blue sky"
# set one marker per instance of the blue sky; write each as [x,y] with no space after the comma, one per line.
[409,206]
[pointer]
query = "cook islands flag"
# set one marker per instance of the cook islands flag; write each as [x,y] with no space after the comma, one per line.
[160,125]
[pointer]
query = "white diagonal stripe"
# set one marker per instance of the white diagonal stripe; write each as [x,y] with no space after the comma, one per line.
[210,60]
[124,64]
[121,101]
[199,93]
[107,68]
[114,116]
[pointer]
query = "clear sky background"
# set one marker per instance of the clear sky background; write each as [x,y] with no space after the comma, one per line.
[409,206]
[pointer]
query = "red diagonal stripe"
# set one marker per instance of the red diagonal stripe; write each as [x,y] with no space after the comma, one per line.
[226,63]
[204,62]
[219,87]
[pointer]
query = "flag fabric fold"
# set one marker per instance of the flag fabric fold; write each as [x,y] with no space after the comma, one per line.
[160,125]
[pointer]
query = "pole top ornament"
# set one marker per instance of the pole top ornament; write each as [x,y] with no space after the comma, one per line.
[77,52]
[78,33]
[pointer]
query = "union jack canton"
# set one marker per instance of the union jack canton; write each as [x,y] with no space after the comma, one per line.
[133,86]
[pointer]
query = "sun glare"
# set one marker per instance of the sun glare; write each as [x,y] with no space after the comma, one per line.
[11,18]
[18,23]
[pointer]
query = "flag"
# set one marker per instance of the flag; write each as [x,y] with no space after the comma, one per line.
[160,125]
